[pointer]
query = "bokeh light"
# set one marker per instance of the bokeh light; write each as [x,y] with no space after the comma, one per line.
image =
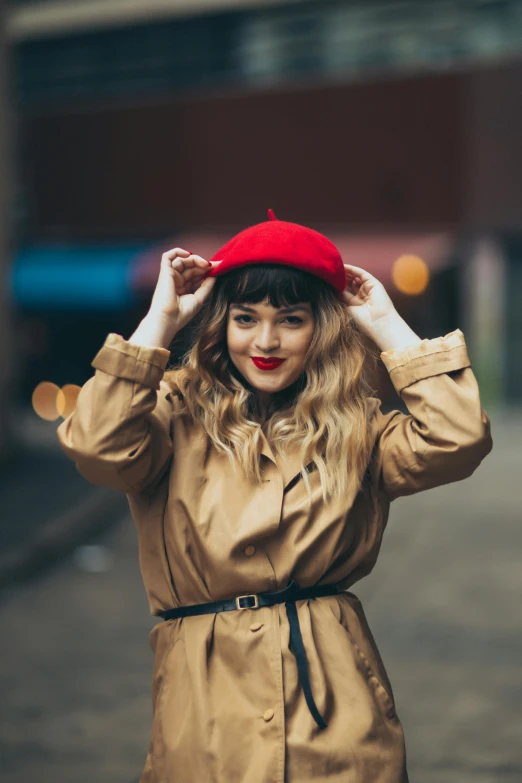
[45,399]
[410,275]
[66,399]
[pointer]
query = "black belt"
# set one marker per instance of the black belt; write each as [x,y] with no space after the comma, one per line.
[289,595]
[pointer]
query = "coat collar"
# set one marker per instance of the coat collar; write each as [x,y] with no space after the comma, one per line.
[290,467]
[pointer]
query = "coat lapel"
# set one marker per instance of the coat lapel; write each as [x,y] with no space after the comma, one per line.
[290,467]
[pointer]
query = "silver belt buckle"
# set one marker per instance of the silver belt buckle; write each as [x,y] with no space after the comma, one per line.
[255,605]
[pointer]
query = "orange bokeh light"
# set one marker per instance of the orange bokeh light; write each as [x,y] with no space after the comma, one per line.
[410,275]
[66,399]
[44,400]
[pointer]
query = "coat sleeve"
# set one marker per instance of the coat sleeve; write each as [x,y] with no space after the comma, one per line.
[447,433]
[120,433]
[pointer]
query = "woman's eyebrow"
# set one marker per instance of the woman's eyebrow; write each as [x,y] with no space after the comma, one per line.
[280,310]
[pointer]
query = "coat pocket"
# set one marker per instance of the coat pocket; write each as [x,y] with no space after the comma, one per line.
[382,696]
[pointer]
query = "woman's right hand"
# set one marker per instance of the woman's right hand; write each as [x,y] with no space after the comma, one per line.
[182,287]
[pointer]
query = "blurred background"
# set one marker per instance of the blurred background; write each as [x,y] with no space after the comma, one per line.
[393,126]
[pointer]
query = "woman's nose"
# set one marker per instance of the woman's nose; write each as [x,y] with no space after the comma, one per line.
[267,339]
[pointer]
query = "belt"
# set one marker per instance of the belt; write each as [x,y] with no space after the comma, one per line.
[288,596]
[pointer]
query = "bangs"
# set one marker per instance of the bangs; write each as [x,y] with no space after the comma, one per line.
[283,285]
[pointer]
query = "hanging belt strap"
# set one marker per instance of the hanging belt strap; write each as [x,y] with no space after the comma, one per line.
[289,595]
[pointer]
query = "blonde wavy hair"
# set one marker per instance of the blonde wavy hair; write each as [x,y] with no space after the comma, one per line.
[325,413]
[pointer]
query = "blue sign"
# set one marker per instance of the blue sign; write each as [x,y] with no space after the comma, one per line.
[94,277]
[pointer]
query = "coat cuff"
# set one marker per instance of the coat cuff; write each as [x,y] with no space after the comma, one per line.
[133,362]
[427,358]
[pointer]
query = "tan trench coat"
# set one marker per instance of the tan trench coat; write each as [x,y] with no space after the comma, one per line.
[228,706]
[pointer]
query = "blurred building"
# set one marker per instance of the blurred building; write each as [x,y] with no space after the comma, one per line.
[394,127]
[6,356]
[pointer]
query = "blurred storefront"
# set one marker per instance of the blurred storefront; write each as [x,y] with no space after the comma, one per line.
[6,354]
[394,127]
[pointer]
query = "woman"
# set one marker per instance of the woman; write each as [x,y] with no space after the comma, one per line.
[259,474]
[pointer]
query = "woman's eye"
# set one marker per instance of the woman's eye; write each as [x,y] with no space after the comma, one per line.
[294,318]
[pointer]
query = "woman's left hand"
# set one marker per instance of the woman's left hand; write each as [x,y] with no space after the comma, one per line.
[367,300]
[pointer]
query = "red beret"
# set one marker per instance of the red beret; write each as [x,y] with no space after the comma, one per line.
[279,242]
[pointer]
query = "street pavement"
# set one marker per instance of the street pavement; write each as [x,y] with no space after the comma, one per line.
[46,505]
[443,603]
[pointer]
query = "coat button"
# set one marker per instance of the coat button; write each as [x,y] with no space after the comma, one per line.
[250,550]
[256,626]
[269,714]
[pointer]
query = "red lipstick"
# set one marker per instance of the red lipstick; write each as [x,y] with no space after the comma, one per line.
[266,364]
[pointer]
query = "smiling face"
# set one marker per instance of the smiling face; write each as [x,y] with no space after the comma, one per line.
[260,330]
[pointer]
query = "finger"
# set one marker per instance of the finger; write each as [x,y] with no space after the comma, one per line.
[357,271]
[202,266]
[179,265]
[191,261]
[199,260]
[192,274]
[192,265]
[351,299]
[176,251]
[188,267]
[190,279]
[205,267]
[179,280]
[203,289]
